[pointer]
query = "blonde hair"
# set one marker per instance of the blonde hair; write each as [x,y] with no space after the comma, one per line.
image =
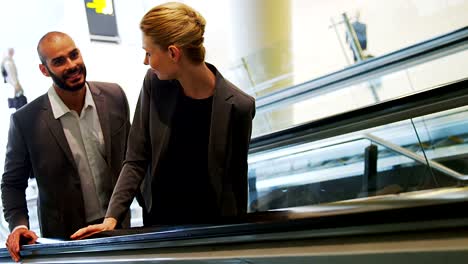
[176,24]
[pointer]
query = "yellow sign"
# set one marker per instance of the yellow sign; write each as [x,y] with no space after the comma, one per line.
[101,6]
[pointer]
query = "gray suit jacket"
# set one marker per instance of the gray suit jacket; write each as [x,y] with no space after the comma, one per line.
[37,147]
[231,126]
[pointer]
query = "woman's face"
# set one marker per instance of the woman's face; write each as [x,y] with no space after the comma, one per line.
[160,60]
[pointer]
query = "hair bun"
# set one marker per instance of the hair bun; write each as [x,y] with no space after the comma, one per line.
[176,23]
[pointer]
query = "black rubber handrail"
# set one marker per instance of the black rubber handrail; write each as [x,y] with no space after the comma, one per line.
[371,219]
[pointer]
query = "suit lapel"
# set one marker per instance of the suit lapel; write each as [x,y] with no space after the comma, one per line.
[166,101]
[219,132]
[165,119]
[56,129]
[103,114]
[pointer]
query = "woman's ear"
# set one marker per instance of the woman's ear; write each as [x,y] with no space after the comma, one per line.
[174,53]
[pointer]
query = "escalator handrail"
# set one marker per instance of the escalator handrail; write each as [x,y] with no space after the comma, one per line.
[346,220]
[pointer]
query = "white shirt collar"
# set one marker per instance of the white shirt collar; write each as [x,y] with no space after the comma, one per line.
[58,106]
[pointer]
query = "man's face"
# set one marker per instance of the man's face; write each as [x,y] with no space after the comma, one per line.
[64,64]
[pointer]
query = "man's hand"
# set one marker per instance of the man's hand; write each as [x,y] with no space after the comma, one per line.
[19,237]
[108,224]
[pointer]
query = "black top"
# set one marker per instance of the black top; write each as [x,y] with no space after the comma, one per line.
[182,192]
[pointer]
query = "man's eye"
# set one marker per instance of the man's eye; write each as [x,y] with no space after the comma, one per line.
[74,55]
[58,62]
[148,54]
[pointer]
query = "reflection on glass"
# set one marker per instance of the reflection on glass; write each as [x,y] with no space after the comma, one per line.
[388,159]
[340,98]
[322,38]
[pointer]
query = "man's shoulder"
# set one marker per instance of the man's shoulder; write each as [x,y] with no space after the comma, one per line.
[32,110]
[108,89]
[104,86]
[115,97]
[7,60]
[33,106]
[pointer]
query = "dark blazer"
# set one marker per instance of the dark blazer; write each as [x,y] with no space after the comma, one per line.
[231,126]
[37,147]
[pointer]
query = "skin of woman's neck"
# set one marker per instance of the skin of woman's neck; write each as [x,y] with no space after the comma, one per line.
[197,80]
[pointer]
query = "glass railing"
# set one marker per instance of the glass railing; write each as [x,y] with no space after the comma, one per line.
[388,148]
[369,82]
[326,37]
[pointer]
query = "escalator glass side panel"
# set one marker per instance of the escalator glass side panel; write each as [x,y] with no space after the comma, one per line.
[346,96]
[421,153]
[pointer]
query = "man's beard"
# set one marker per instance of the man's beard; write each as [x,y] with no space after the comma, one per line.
[60,81]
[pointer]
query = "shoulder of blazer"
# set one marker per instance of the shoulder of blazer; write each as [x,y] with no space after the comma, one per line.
[27,116]
[104,87]
[113,93]
[32,109]
[244,103]
[239,96]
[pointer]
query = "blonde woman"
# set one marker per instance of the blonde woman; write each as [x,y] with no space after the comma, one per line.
[186,159]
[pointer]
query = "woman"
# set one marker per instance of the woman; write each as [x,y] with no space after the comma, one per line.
[187,150]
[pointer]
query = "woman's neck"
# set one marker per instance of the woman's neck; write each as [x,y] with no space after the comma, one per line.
[197,81]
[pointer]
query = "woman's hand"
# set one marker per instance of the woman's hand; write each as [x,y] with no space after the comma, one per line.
[109,223]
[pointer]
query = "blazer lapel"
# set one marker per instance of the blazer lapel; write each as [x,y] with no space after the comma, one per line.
[163,125]
[219,132]
[56,129]
[103,114]
[166,99]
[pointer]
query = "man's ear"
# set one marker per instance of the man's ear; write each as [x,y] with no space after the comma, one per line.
[174,53]
[44,70]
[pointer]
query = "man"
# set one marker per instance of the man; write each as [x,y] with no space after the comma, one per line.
[72,140]
[10,75]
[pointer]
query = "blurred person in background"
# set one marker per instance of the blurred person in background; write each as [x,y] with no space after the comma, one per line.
[10,76]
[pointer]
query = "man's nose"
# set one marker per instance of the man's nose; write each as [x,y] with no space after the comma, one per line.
[70,64]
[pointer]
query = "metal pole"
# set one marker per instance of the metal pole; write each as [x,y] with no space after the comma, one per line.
[354,41]
[434,164]
[339,40]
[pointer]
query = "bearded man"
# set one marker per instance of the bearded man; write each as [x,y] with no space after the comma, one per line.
[72,140]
